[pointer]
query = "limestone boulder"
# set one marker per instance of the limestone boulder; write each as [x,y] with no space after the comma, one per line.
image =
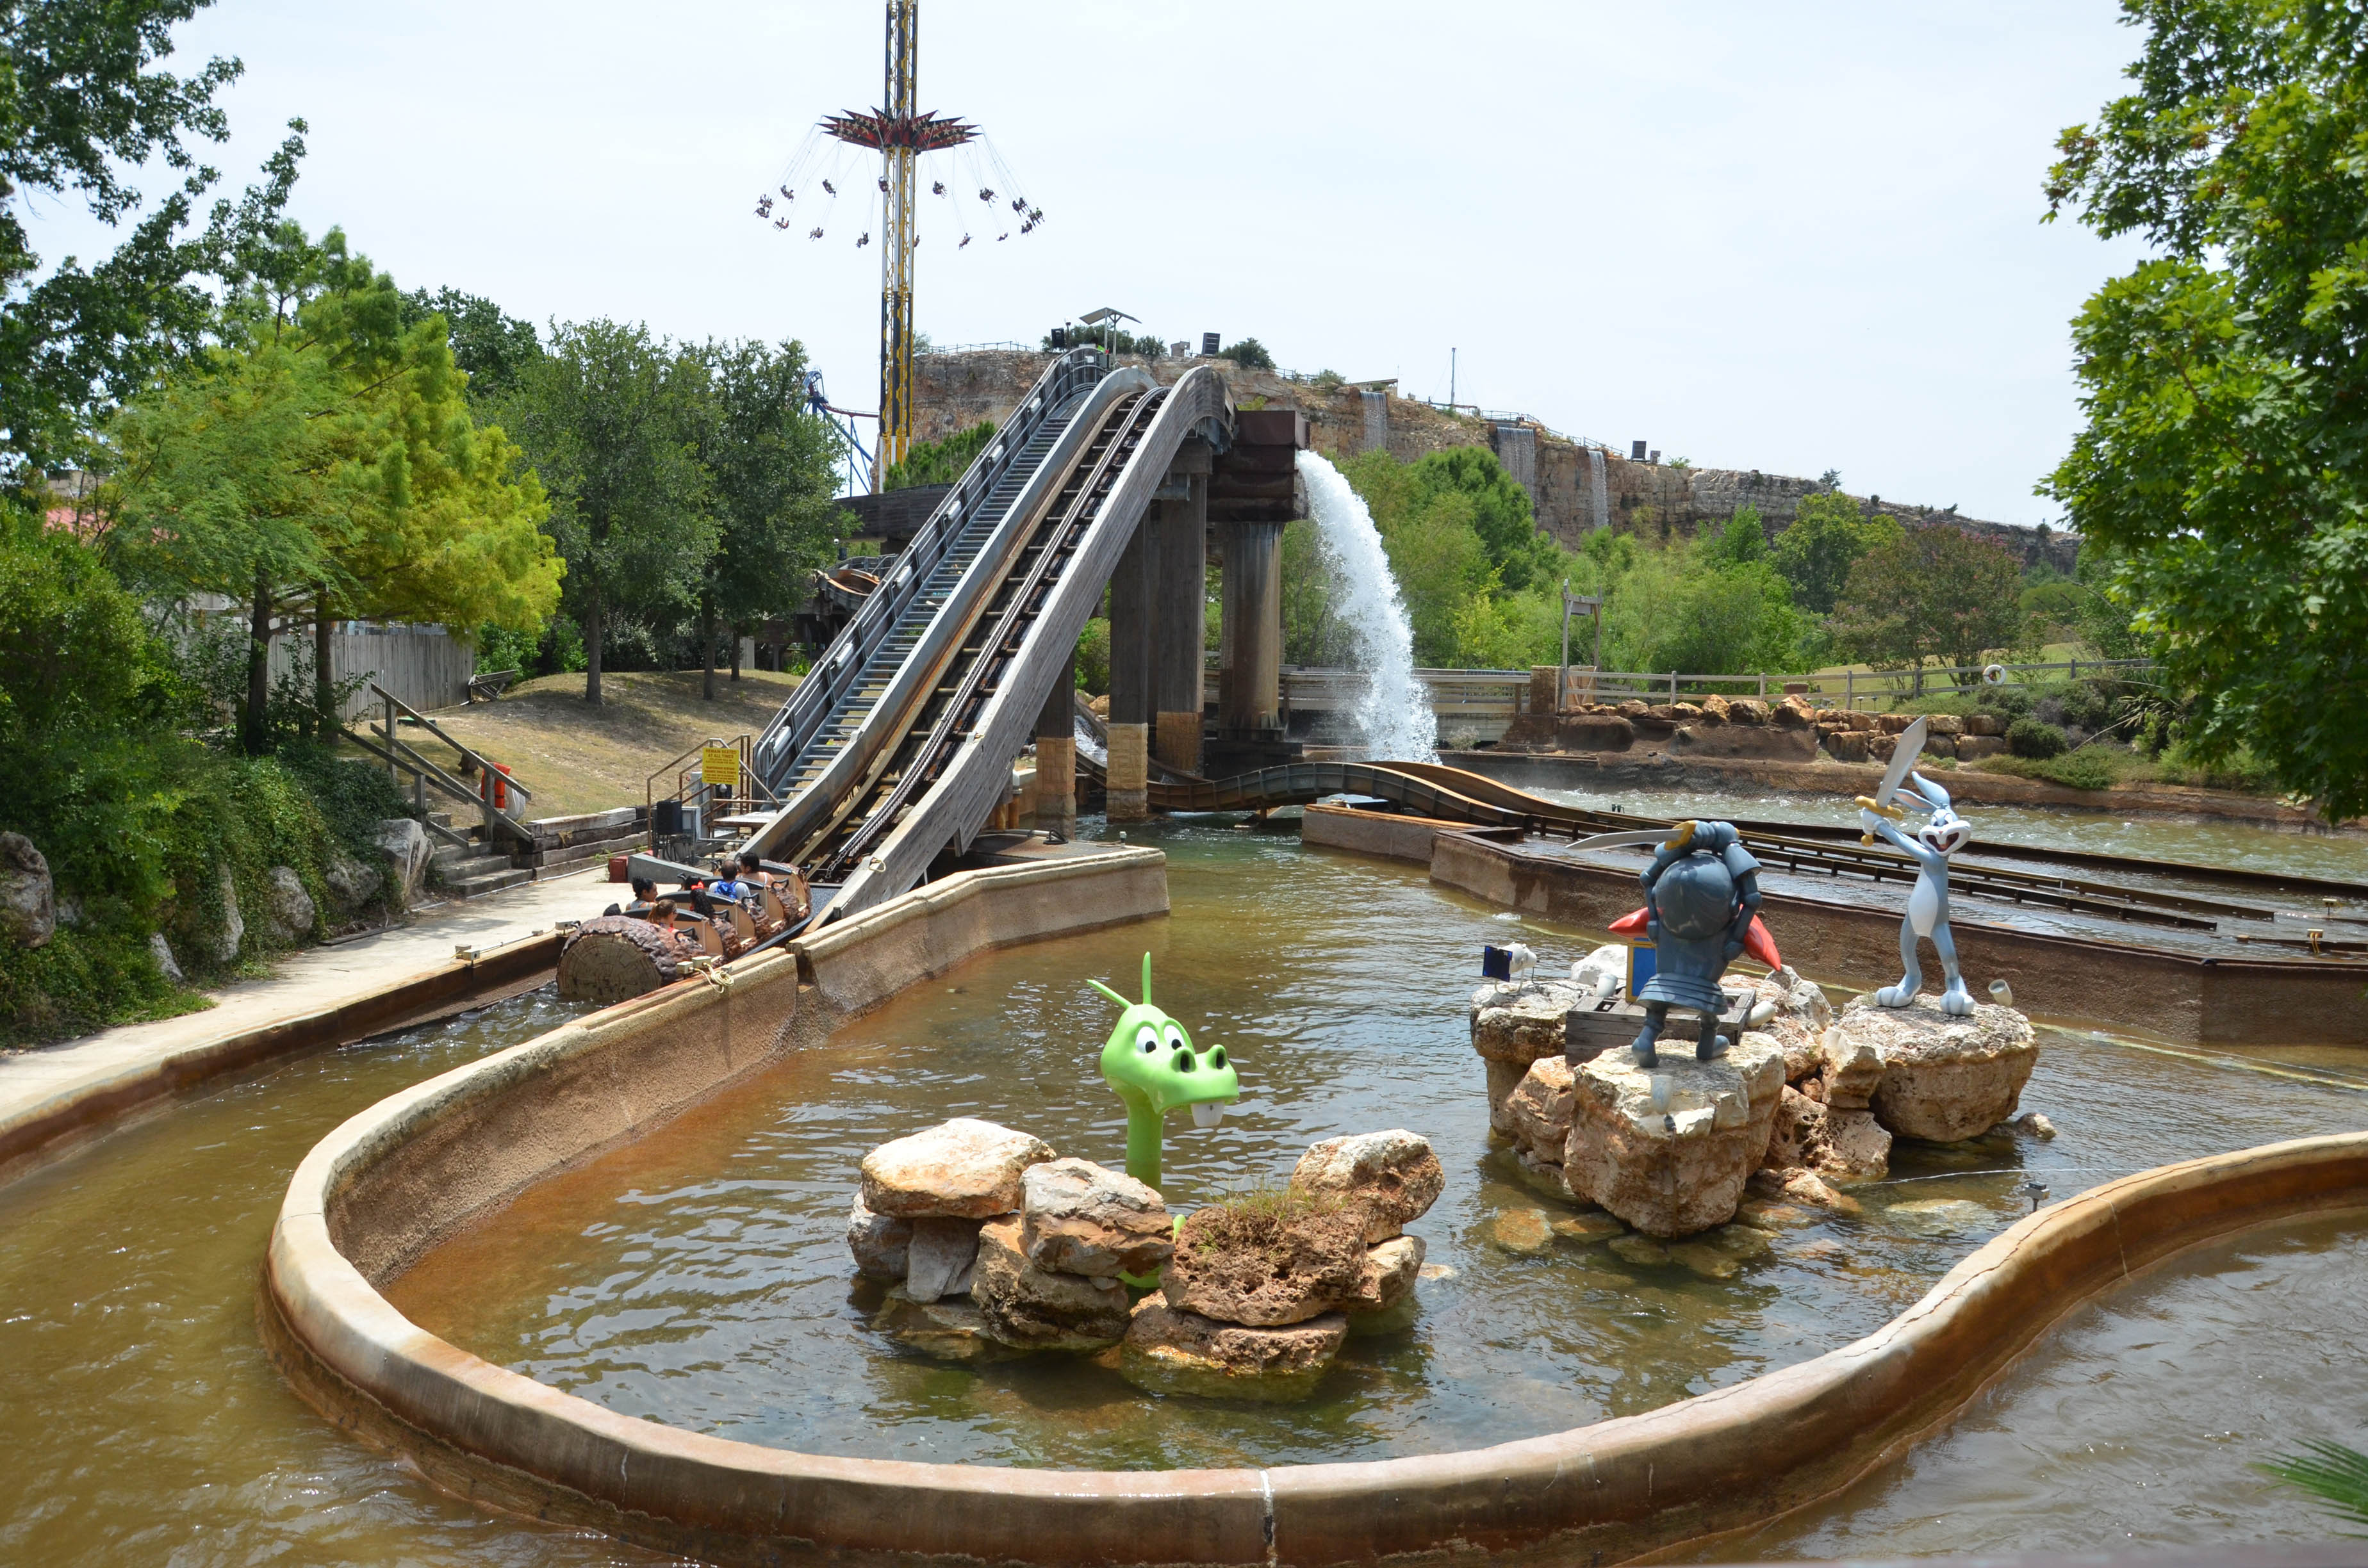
[162,951]
[226,938]
[1802,1014]
[1800,1187]
[1266,1262]
[405,844]
[964,1168]
[1674,1161]
[1756,743]
[1836,1145]
[1504,1077]
[1389,1179]
[1852,1068]
[880,1242]
[1846,746]
[1973,748]
[1594,732]
[1538,1110]
[1079,1218]
[1520,1023]
[1746,710]
[29,900]
[951,1330]
[938,1258]
[1172,1351]
[350,882]
[1793,710]
[1601,969]
[1031,1307]
[289,907]
[1944,1078]
[1391,1270]
[1716,710]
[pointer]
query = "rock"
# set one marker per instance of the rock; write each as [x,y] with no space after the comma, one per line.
[1796,1141]
[1715,709]
[1761,1214]
[1538,1111]
[2034,1123]
[1943,724]
[1634,708]
[1940,745]
[1641,1250]
[1520,1024]
[1740,1240]
[1522,1232]
[1846,746]
[1594,732]
[1746,710]
[1504,1077]
[1031,1307]
[351,883]
[1593,1226]
[28,909]
[1802,1014]
[1541,1177]
[1940,1217]
[1857,1147]
[1705,1259]
[408,853]
[1390,1179]
[1972,748]
[162,951]
[878,1242]
[1892,723]
[1802,1186]
[964,1168]
[1391,1270]
[1852,1067]
[1985,724]
[1944,1078]
[1686,712]
[232,931]
[1793,710]
[1266,1262]
[1606,964]
[1172,1351]
[1679,1168]
[944,1331]
[289,910]
[1762,742]
[1078,1218]
[938,1259]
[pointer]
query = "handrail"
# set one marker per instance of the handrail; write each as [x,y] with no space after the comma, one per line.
[398,753]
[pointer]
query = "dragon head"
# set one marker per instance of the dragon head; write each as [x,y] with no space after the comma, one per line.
[1150,1057]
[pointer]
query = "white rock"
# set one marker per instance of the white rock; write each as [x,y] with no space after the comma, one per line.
[964,1167]
[290,909]
[29,913]
[1394,1178]
[1080,1218]
[350,882]
[1944,1078]
[1678,1168]
[162,951]
[881,1242]
[226,940]
[937,1261]
[407,855]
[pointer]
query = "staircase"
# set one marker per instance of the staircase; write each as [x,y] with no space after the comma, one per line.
[474,868]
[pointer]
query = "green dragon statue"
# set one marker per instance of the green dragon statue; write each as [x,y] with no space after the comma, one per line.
[1150,1061]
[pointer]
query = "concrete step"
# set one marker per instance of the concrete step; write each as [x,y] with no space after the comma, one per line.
[490,881]
[450,860]
[598,849]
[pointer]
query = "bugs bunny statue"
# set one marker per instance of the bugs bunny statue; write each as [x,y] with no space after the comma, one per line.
[1941,836]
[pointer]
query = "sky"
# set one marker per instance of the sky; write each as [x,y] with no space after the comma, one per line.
[1790,238]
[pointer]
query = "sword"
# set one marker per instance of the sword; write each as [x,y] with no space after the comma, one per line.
[1625,839]
[1903,752]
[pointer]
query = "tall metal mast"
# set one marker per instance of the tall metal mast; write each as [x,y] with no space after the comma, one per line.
[896,256]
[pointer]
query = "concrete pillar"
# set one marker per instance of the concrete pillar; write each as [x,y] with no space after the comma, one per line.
[1129,747]
[1251,694]
[1132,624]
[1179,597]
[1056,757]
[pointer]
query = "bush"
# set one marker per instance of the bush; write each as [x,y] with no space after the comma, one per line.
[2084,769]
[82,980]
[1249,354]
[2034,738]
[1093,658]
[939,463]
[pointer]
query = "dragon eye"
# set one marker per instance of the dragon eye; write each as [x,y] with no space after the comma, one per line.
[1176,1040]
[1147,1040]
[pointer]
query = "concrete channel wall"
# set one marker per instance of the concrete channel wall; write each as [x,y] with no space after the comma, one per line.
[392,1181]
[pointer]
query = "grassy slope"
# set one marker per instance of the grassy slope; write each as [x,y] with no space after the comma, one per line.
[580,758]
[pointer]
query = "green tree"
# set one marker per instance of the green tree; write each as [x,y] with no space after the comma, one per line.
[610,418]
[321,456]
[1934,593]
[769,466]
[1742,541]
[1249,354]
[941,461]
[489,346]
[81,103]
[2224,458]
[1828,534]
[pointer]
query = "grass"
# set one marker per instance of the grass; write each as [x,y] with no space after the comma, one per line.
[1258,1219]
[580,758]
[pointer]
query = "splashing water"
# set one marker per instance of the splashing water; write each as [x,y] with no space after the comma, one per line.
[1394,716]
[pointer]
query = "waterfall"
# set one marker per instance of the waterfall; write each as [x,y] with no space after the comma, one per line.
[1598,496]
[1394,715]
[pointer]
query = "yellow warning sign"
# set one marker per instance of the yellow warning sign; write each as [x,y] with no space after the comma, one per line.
[719,764]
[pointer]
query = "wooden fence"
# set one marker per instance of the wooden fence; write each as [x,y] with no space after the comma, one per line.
[425,666]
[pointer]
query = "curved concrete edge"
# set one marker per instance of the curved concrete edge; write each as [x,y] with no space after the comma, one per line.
[1620,1488]
[96,1102]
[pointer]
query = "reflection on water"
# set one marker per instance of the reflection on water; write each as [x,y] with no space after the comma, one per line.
[700,1278]
[143,1423]
[2337,856]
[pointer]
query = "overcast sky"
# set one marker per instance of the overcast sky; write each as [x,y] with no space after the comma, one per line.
[1788,238]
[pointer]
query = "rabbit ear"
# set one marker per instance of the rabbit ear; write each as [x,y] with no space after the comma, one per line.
[1936,797]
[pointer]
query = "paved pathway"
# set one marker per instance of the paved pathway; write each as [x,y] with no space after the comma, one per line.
[303,982]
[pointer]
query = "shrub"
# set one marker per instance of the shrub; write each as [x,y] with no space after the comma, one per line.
[2084,769]
[2034,738]
[1249,354]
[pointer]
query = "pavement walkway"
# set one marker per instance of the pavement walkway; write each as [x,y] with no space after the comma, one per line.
[304,983]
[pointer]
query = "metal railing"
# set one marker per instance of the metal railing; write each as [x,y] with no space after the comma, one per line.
[691,785]
[1850,689]
[401,758]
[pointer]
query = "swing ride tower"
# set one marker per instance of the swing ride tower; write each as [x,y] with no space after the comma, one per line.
[900,133]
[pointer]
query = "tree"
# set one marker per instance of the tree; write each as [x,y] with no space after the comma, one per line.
[1249,354]
[769,465]
[609,418]
[941,461]
[490,348]
[1741,543]
[81,103]
[320,455]
[1933,593]
[2225,456]
[1828,534]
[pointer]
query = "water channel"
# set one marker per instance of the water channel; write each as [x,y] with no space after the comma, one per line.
[701,1278]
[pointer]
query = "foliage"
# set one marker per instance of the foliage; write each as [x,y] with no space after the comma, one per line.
[1112,337]
[941,461]
[1249,354]
[2336,1475]
[609,416]
[2034,738]
[81,105]
[1741,543]
[1932,593]
[490,348]
[1327,381]
[2222,456]
[2090,768]
[1828,537]
[1094,657]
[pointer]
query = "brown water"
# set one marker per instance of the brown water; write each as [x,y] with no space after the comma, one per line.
[700,1278]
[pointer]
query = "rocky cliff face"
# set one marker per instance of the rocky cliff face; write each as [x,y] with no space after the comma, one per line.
[957,390]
